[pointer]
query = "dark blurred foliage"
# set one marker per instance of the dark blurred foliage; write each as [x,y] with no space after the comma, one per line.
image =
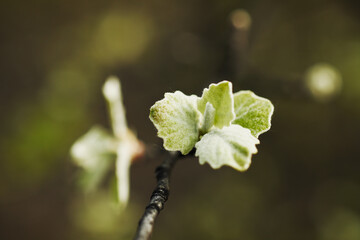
[54,56]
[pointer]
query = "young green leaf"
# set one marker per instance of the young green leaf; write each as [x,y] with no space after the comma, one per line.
[221,97]
[232,146]
[227,125]
[94,152]
[208,118]
[252,112]
[177,120]
[92,148]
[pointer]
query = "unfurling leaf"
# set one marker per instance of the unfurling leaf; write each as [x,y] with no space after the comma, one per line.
[177,120]
[252,112]
[232,146]
[221,98]
[94,152]
[223,127]
[208,119]
[95,146]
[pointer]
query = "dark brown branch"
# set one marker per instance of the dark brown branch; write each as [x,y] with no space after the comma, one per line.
[158,198]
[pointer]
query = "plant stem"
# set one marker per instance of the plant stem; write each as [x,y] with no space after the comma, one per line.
[158,197]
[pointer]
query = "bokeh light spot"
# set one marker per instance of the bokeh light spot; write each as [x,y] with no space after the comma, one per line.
[240,19]
[324,81]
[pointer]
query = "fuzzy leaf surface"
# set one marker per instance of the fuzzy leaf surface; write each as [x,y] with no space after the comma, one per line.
[177,120]
[93,147]
[208,118]
[232,146]
[94,152]
[252,112]
[221,98]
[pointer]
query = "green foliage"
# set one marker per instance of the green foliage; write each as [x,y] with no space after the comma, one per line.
[232,146]
[93,147]
[221,126]
[220,96]
[94,152]
[97,149]
[173,113]
[209,118]
[252,112]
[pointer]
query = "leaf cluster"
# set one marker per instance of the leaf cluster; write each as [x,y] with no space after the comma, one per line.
[222,126]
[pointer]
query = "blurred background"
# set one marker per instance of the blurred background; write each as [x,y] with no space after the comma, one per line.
[303,55]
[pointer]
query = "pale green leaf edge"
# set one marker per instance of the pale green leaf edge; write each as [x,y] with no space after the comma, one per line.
[95,145]
[232,146]
[265,115]
[177,143]
[176,118]
[221,97]
[208,119]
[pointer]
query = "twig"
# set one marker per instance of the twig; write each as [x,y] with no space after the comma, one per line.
[158,198]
